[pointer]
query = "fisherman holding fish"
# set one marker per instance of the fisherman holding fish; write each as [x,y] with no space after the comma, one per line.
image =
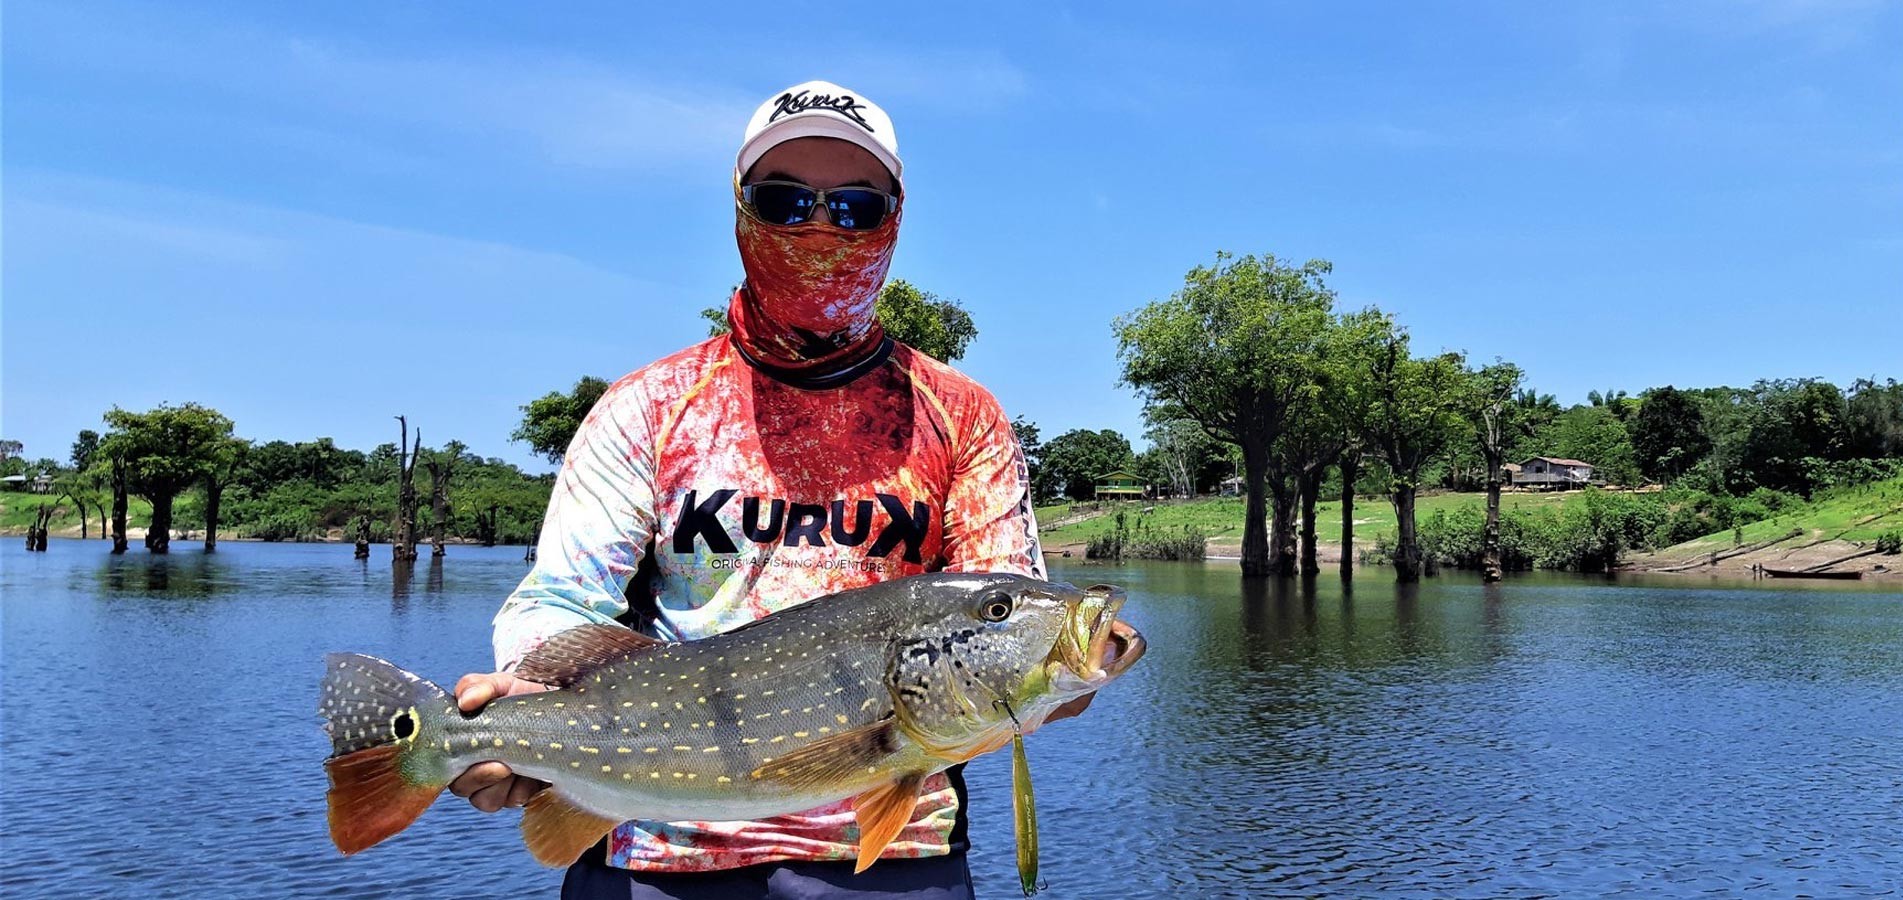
[803,454]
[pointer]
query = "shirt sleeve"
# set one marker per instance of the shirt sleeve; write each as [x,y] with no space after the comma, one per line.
[989,524]
[600,516]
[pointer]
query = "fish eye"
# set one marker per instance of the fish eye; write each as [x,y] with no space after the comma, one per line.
[996,608]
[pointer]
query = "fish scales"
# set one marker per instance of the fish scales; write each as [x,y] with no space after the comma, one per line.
[859,694]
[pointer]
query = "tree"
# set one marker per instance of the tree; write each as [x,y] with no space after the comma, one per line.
[1793,420]
[226,461]
[936,327]
[1668,434]
[166,451]
[1413,413]
[1495,418]
[442,467]
[549,423]
[85,447]
[1180,451]
[1074,460]
[932,325]
[1232,349]
[403,544]
[1592,434]
[10,450]
[1026,432]
[1875,413]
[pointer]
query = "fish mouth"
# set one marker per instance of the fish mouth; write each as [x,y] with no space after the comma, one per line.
[1098,646]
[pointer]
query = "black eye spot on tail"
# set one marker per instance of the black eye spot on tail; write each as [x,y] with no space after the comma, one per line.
[404,725]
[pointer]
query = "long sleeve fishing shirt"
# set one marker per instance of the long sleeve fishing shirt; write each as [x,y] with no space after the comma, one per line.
[701,494]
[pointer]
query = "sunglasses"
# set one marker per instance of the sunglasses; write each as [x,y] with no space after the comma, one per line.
[790,203]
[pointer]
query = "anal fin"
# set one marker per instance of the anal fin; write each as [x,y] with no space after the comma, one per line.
[557,831]
[882,812]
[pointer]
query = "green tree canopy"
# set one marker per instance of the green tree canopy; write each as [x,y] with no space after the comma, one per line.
[166,450]
[1592,434]
[1668,434]
[1234,349]
[1876,419]
[1074,460]
[549,422]
[935,326]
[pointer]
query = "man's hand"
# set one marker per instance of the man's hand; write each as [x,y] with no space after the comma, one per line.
[490,786]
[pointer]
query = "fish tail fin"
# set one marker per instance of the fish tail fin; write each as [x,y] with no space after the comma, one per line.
[387,763]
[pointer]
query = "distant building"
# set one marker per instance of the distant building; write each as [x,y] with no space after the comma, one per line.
[1120,485]
[1550,473]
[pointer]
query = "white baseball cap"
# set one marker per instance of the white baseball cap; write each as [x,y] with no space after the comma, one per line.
[820,109]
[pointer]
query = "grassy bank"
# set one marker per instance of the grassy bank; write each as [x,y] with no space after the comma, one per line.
[1858,514]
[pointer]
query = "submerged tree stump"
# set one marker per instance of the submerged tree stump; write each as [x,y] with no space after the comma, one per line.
[403,544]
[363,537]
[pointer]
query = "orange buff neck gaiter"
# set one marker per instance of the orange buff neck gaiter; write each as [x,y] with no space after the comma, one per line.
[807,307]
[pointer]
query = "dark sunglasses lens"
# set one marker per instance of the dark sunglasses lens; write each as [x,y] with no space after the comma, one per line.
[857,210]
[783,204]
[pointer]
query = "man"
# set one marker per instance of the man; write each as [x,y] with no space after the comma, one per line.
[803,454]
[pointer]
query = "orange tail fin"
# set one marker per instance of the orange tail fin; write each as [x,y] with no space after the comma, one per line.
[371,800]
[385,767]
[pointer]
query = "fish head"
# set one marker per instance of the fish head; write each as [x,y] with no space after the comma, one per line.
[999,651]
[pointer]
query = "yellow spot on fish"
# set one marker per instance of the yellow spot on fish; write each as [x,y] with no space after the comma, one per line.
[799,734]
[498,742]
[554,745]
[589,749]
[714,749]
[777,738]
[651,750]
[840,719]
[572,723]
[724,779]
[521,743]
[624,750]
[745,740]
[654,774]
[607,768]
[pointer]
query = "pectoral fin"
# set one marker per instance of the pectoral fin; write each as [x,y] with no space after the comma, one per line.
[557,831]
[834,759]
[882,811]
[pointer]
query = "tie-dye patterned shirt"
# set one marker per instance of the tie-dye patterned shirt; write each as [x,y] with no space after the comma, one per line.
[735,495]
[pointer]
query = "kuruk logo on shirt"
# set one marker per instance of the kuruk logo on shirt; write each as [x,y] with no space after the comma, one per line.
[789,103]
[813,524]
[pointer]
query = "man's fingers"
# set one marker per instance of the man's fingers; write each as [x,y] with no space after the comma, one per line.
[475,691]
[479,776]
[491,798]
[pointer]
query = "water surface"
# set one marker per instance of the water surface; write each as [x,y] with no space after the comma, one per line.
[1550,736]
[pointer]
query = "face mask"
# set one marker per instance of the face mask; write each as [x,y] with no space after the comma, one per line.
[808,302]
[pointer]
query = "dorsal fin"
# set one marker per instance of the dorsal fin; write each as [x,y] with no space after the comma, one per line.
[574,653]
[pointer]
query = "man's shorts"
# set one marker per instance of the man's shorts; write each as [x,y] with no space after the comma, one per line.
[931,878]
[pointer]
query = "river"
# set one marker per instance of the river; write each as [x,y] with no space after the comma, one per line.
[1549,736]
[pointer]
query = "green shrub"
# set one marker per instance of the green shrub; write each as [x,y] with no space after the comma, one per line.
[1890,542]
[1190,544]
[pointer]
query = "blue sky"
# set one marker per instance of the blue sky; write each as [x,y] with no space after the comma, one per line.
[316,216]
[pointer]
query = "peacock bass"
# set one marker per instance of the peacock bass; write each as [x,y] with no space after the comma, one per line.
[859,694]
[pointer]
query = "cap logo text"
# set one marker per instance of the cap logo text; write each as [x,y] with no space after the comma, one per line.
[845,104]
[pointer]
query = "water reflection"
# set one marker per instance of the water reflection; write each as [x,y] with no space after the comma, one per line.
[192,575]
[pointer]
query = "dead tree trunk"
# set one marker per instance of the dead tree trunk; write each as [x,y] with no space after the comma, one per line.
[441,467]
[1350,471]
[118,505]
[363,536]
[84,532]
[403,546]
